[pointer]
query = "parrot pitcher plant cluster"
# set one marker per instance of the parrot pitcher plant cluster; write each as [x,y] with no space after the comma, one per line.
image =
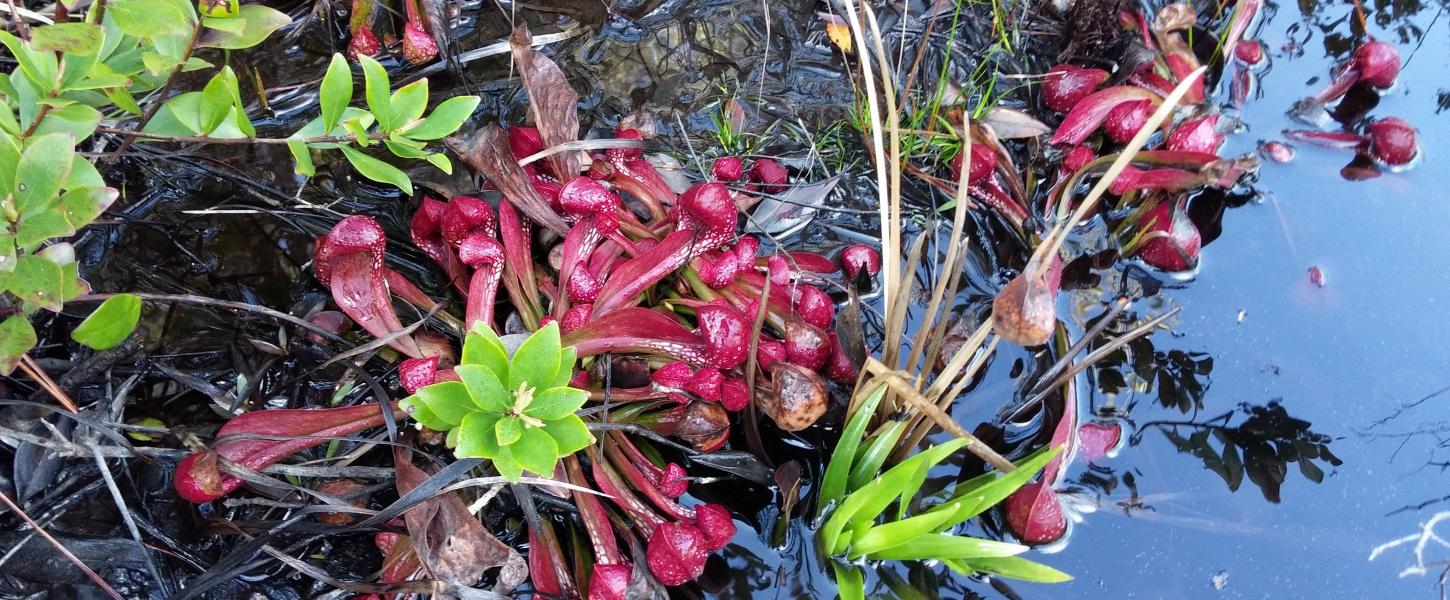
[639,296]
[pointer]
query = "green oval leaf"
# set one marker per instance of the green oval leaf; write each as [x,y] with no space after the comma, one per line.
[537,359]
[375,89]
[508,430]
[408,103]
[485,388]
[483,347]
[149,18]
[570,434]
[536,451]
[336,91]
[73,38]
[445,119]
[556,403]
[448,401]
[16,338]
[44,165]
[476,437]
[378,170]
[260,20]
[110,324]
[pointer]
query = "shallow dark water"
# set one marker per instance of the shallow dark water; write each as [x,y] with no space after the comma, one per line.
[1344,357]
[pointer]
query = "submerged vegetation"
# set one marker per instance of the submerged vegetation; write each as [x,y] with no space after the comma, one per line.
[597,360]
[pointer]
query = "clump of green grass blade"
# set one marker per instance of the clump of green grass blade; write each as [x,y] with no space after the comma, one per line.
[855,495]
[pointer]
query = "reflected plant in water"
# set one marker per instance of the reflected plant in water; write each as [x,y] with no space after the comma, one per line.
[1261,447]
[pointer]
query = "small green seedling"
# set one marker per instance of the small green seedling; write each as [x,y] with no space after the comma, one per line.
[518,412]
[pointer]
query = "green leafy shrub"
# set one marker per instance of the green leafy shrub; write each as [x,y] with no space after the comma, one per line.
[518,412]
[73,78]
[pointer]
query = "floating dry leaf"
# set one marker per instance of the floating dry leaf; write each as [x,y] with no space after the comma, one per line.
[837,31]
[452,544]
[552,102]
[1013,124]
[487,151]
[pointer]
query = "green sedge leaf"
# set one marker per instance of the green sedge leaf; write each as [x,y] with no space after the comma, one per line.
[850,585]
[868,464]
[336,91]
[378,170]
[556,403]
[16,338]
[976,495]
[537,359]
[260,21]
[74,38]
[476,437]
[508,430]
[447,400]
[408,103]
[895,533]
[570,434]
[916,469]
[44,165]
[303,155]
[865,504]
[484,348]
[445,119]
[375,89]
[1014,567]
[833,483]
[536,451]
[485,388]
[941,546]
[110,324]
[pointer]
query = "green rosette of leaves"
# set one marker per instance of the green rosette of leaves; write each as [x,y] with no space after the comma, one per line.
[518,412]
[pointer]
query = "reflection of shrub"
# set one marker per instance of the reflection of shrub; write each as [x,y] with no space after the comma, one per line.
[1261,447]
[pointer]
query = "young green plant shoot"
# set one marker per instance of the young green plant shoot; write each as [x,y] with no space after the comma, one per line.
[515,411]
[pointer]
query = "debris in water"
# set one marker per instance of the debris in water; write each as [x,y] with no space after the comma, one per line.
[1278,152]
[1220,580]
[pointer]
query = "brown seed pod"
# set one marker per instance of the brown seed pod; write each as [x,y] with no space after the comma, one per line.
[1024,312]
[796,398]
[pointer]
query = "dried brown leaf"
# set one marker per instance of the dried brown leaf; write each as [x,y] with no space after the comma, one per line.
[1012,124]
[487,151]
[452,544]
[553,103]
